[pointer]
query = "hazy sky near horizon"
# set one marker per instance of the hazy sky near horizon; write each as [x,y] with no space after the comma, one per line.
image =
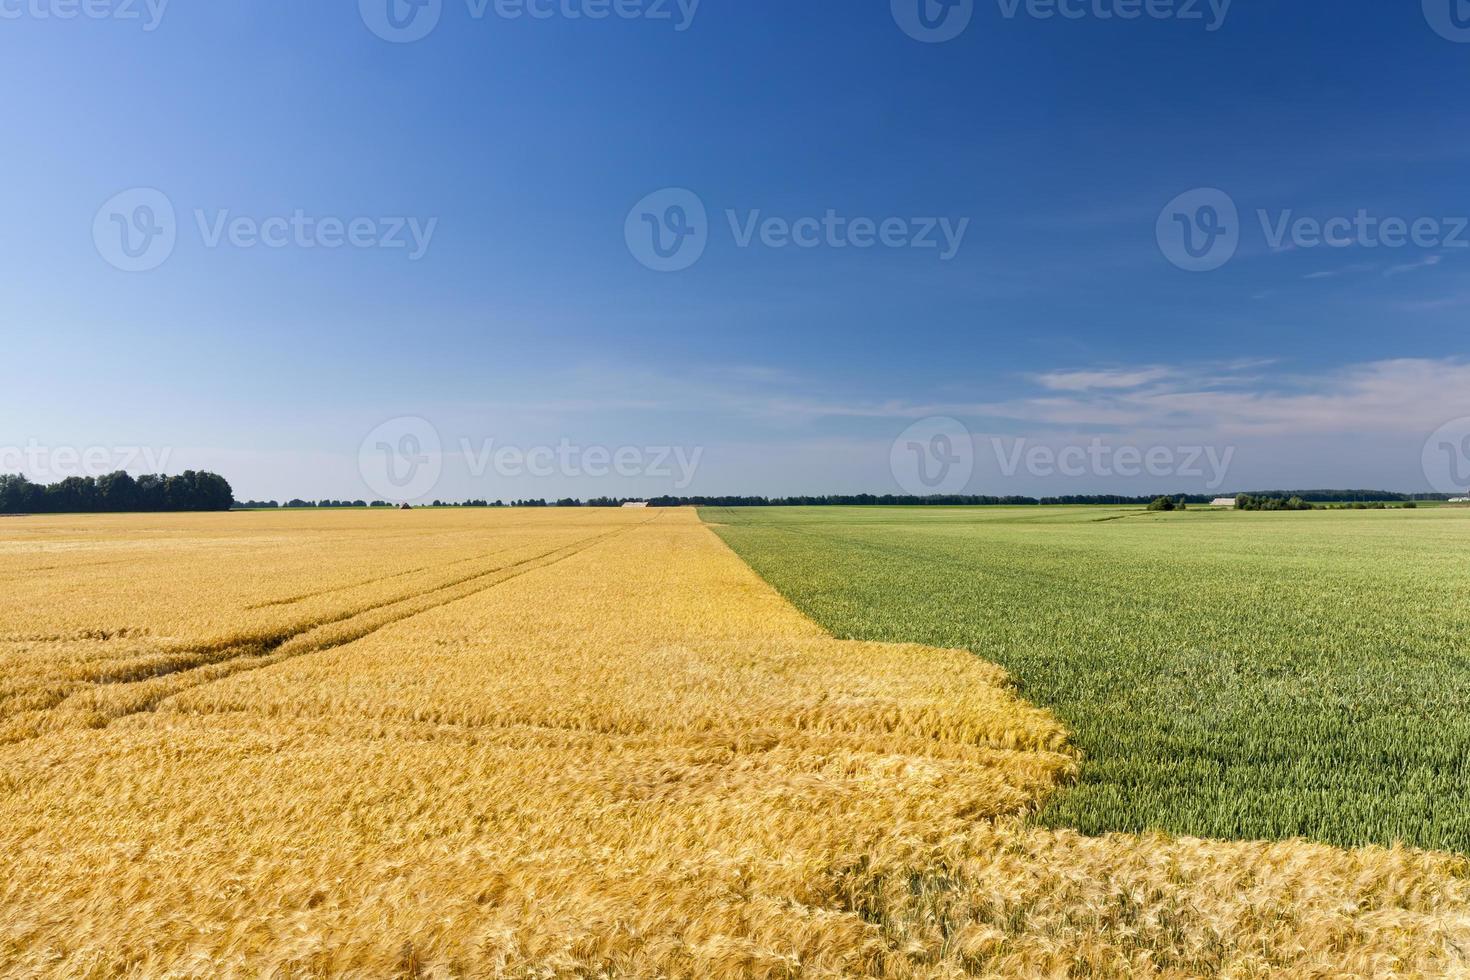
[575,247]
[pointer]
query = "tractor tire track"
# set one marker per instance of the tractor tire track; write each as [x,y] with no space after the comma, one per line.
[121,693]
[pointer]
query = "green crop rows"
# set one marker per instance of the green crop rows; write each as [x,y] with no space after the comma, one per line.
[1225,674]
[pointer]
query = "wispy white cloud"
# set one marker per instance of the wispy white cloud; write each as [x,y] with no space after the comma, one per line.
[1105,378]
[1429,261]
[1392,396]
[1356,268]
[1401,396]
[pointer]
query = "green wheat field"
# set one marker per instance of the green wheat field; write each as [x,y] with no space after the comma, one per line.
[1237,675]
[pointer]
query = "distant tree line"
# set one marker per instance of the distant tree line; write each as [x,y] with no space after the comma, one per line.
[844,500]
[968,500]
[116,493]
[1247,501]
[1179,500]
[1348,496]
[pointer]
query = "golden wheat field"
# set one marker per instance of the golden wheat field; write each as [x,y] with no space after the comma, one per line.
[574,743]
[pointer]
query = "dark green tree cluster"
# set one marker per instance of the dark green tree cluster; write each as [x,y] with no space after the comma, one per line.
[116,493]
[1248,501]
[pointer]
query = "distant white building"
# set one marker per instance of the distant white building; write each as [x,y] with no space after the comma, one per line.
[1223,502]
[635,505]
[1461,500]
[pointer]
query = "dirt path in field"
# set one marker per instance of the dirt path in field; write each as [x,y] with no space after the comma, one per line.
[627,756]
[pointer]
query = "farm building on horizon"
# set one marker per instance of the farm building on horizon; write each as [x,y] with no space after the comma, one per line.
[1223,502]
[636,505]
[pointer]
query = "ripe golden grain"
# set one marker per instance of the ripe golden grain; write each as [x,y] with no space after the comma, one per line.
[571,744]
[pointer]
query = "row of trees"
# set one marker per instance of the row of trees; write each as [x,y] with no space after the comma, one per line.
[1347,496]
[116,493]
[1178,501]
[1248,501]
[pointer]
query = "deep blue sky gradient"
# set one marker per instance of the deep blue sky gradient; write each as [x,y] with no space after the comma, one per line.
[528,320]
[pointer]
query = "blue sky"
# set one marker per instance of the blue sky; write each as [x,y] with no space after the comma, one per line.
[520,148]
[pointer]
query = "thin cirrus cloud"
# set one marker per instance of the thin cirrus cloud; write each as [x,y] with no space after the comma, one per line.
[1404,396]
[1428,262]
[1102,379]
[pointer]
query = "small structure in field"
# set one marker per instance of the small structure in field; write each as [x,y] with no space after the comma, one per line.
[1460,500]
[1223,502]
[636,505]
[404,507]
